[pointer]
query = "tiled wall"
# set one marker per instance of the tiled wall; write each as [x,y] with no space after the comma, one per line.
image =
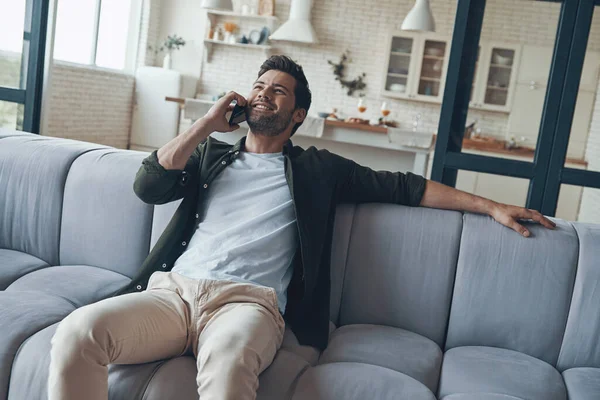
[363,28]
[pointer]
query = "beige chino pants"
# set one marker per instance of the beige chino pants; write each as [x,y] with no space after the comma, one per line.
[233,330]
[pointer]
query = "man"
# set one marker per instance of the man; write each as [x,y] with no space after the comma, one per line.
[249,244]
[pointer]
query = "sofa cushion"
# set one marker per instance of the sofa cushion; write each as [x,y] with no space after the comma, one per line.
[279,380]
[513,292]
[21,315]
[478,369]
[580,343]
[78,284]
[104,224]
[393,348]
[33,171]
[29,375]
[356,381]
[392,276]
[166,379]
[4,132]
[14,264]
[480,396]
[582,383]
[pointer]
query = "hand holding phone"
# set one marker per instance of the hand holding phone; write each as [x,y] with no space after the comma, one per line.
[238,115]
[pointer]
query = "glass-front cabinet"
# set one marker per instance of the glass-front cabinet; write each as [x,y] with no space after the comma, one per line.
[416,67]
[417,64]
[496,76]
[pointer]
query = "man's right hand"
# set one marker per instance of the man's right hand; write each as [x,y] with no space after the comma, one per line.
[215,119]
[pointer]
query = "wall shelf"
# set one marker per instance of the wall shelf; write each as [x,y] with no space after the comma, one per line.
[209,43]
[215,13]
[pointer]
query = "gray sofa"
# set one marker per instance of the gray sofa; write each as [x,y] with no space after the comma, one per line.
[426,304]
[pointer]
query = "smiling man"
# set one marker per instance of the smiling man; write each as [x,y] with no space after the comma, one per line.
[247,251]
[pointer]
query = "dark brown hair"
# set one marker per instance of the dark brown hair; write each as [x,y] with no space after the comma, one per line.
[287,65]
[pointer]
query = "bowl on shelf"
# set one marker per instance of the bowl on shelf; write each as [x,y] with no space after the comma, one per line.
[501,60]
[397,87]
[434,51]
[324,114]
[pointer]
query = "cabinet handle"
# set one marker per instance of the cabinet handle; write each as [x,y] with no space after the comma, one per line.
[533,85]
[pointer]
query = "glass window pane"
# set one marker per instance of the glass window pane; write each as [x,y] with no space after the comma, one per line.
[113,33]
[74,37]
[511,78]
[584,139]
[11,115]
[576,203]
[12,18]
[503,189]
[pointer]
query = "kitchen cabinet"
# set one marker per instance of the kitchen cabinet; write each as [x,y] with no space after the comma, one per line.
[525,117]
[416,66]
[495,76]
[417,63]
[535,68]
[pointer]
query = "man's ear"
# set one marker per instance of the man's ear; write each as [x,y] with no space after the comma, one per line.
[299,115]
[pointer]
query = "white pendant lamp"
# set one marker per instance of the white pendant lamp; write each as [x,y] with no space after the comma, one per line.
[420,18]
[298,27]
[224,5]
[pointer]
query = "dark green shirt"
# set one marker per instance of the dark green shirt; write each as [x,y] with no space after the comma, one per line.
[318,182]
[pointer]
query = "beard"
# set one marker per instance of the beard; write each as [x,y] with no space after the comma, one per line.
[268,125]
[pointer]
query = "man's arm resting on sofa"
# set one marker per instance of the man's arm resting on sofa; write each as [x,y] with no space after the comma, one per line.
[441,196]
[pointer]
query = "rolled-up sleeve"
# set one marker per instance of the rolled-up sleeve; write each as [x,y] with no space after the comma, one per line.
[156,185]
[360,184]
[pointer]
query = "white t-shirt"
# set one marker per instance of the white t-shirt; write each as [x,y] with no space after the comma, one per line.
[248,232]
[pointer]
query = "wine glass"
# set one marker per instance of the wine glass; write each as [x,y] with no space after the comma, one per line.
[385,110]
[362,106]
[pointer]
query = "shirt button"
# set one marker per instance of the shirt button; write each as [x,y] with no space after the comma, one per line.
[223,162]
[164,265]
[183,243]
[139,287]
[205,186]
[197,216]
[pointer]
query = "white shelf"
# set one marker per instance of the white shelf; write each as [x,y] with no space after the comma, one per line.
[243,16]
[252,46]
[501,66]
[397,75]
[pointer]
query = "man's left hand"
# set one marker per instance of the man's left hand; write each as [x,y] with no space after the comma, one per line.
[508,216]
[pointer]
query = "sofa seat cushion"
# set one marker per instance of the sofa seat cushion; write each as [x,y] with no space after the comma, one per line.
[14,264]
[480,396]
[78,284]
[478,369]
[356,381]
[21,315]
[384,346]
[583,383]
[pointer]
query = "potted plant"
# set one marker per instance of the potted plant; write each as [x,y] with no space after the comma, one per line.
[172,42]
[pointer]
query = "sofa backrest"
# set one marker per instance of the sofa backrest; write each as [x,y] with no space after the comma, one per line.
[104,223]
[396,267]
[513,292]
[581,342]
[33,171]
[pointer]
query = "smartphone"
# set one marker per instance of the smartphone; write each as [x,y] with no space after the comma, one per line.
[238,115]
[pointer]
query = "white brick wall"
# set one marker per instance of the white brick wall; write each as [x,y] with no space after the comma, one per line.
[90,104]
[590,200]
[363,27]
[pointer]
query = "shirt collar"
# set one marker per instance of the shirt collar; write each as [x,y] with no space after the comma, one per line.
[287,146]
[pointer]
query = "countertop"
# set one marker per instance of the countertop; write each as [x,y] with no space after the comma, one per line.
[490,146]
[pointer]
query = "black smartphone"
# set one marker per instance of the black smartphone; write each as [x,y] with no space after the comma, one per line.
[238,115]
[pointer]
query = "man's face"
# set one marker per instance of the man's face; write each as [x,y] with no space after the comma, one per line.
[270,109]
